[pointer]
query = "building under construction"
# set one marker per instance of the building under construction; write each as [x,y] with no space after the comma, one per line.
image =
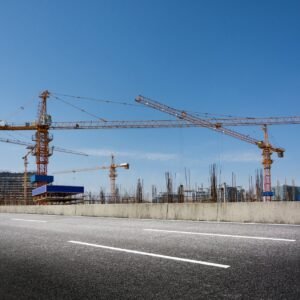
[12,188]
[287,193]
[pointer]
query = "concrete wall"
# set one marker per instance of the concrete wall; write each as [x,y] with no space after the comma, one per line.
[258,212]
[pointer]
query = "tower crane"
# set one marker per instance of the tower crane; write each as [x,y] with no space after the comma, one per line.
[32,146]
[25,158]
[267,148]
[112,173]
[42,137]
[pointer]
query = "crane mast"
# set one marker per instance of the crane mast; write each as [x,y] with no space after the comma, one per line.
[42,136]
[113,175]
[25,157]
[267,162]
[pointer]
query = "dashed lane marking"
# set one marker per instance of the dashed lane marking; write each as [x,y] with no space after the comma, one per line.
[30,220]
[221,235]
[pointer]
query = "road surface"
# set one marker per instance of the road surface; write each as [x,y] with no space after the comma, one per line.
[59,257]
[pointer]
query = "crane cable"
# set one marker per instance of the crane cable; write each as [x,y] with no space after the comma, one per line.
[207,115]
[20,109]
[79,108]
[200,114]
[97,100]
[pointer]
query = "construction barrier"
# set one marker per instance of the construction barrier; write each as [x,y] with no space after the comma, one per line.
[253,212]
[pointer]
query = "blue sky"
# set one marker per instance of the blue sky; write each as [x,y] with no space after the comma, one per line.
[239,58]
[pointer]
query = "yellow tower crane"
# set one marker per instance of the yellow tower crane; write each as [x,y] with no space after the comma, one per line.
[25,158]
[112,174]
[267,148]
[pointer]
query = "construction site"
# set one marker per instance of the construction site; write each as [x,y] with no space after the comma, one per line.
[37,187]
[149,150]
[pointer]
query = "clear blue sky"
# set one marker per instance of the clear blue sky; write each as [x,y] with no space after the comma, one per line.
[239,58]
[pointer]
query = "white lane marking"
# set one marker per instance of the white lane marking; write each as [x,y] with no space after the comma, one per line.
[164,220]
[153,255]
[222,235]
[190,221]
[29,220]
[245,223]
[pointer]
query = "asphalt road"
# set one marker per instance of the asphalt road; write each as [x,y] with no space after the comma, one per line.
[58,257]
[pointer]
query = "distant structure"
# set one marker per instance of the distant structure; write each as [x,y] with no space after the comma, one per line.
[139,191]
[12,188]
[287,193]
[232,193]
